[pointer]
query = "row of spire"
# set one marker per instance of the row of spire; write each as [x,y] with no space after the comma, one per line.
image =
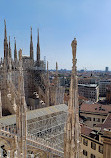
[7,46]
[8,52]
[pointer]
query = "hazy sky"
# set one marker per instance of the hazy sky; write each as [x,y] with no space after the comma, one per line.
[59,21]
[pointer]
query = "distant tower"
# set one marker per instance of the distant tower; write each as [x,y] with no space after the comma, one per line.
[38,50]
[72,129]
[31,46]
[15,50]
[106,69]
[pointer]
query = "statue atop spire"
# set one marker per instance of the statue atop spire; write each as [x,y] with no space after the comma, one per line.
[38,50]
[31,45]
[72,145]
[74,47]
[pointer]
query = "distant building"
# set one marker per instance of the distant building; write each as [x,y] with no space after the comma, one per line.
[88,80]
[106,69]
[105,131]
[108,94]
[96,142]
[37,89]
[92,145]
[95,114]
[103,84]
[82,70]
[89,91]
[107,143]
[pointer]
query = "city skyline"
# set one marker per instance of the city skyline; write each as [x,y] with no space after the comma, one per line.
[59,22]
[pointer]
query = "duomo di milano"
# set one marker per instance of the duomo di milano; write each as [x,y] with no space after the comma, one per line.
[34,121]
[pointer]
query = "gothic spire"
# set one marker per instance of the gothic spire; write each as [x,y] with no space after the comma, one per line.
[31,45]
[56,68]
[47,87]
[5,43]
[48,73]
[15,50]
[56,75]
[47,68]
[9,63]
[21,78]
[5,31]
[38,36]
[10,55]
[21,112]
[72,128]
[31,35]
[38,50]
[9,41]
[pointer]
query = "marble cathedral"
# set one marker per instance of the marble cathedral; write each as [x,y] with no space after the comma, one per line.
[34,121]
[38,91]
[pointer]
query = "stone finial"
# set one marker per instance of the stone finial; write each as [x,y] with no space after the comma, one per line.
[5,31]
[38,35]
[47,88]
[15,50]
[5,44]
[20,54]
[10,55]
[47,66]
[31,34]
[56,66]
[56,71]
[9,41]
[38,49]
[31,44]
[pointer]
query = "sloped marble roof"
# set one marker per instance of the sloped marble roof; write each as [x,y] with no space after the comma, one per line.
[11,119]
